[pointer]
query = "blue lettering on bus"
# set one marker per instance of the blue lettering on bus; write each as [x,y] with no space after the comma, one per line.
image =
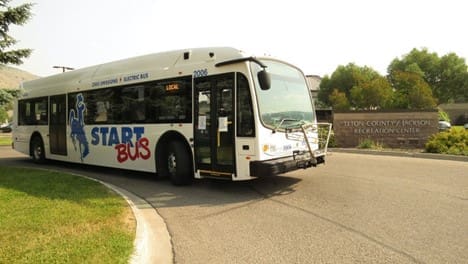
[135,77]
[127,135]
[110,136]
[113,137]
[105,82]
[127,78]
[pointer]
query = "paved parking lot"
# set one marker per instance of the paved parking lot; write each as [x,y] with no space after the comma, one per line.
[356,208]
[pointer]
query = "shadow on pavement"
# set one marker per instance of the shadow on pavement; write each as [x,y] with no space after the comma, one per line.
[161,193]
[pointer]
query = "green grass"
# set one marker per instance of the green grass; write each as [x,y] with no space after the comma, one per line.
[5,140]
[52,217]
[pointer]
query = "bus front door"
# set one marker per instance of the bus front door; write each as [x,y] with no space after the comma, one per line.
[58,125]
[214,128]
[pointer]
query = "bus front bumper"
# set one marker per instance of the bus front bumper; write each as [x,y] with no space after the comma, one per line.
[282,165]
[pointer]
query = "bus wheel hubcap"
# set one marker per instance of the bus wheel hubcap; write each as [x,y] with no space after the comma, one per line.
[37,152]
[171,163]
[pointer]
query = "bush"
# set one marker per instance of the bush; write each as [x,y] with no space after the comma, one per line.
[370,144]
[453,141]
[323,133]
[443,116]
[3,115]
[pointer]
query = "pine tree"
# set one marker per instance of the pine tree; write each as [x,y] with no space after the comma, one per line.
[16,16]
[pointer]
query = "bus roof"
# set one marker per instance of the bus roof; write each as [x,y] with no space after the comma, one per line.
[153,66]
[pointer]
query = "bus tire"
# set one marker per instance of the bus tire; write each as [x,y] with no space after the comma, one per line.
[37,150]
[179,163]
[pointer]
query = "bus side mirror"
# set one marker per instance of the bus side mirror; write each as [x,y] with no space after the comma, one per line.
[264,79]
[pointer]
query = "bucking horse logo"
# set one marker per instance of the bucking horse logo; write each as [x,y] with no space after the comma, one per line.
[77,127]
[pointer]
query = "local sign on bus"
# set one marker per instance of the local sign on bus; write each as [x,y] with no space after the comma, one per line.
[172,87]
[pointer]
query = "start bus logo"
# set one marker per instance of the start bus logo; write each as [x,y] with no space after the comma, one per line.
[121,139]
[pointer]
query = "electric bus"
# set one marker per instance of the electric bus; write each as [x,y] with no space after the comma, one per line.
[185,114]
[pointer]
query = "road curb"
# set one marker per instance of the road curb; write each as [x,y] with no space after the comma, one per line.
[402,153]
[152,241]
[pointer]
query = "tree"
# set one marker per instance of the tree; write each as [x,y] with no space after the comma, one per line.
[16,16]
[412,91]
[362,87]
[446,76]
[453,79]
[6,98]
[373,94]
[425,62]
[338,100]
[343,79]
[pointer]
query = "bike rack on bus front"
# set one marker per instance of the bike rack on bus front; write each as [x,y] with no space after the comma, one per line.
[316,137]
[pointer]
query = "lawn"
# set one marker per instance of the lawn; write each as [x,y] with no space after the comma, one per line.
[52,217]
[5,140]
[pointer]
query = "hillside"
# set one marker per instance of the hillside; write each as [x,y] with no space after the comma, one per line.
[10,78]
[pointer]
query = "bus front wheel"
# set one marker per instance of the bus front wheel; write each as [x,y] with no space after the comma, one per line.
[37,150]
[179,164]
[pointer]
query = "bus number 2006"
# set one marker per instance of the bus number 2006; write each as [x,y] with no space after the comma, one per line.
[200,73]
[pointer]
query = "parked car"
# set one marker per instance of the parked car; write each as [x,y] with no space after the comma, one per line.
[444,125]
[5,128]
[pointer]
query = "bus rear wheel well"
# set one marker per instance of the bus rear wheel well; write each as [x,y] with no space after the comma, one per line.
[164,145]
[36,148]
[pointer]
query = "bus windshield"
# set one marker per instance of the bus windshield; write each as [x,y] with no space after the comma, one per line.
[287,104]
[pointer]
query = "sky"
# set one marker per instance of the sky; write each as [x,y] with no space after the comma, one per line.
[316,36]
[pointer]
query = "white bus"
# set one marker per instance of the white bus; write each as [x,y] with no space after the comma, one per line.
[205,112]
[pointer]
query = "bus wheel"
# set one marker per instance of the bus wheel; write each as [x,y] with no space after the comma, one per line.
[179,164]
[37,150]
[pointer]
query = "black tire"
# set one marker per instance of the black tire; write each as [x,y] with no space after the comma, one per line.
[178,164]
[37,150]
[161,162]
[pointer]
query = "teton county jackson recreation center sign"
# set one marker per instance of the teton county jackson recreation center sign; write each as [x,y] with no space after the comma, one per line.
[393,129]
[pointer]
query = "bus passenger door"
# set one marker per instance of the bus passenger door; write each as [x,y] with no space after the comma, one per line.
[58,125]
[214,127]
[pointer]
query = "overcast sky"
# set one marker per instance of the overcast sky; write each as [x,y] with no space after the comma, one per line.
[317,36]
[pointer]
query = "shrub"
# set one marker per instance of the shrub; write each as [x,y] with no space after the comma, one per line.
[370,144]
[3,115]
[443,116]
[323,133]
[453,141]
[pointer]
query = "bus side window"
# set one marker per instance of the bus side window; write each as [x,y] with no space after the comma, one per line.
[101,112]
[139,109]
[41,112]
[33,111]
[153,102]
[245,118]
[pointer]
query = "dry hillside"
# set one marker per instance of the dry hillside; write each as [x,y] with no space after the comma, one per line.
[10,78]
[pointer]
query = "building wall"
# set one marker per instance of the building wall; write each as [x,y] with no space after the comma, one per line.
[314,85]
[458,113]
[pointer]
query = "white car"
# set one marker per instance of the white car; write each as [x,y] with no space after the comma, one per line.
[444,125]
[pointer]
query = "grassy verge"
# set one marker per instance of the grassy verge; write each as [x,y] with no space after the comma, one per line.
[5,140]
[51,217]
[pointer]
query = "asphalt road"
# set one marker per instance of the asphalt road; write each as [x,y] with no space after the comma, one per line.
[355,209]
